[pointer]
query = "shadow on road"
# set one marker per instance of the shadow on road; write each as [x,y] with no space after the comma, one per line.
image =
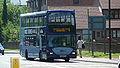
[95,61]
[54,61]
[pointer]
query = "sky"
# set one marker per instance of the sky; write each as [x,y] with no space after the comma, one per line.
[16,2]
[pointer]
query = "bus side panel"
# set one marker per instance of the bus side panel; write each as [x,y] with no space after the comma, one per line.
[21,45]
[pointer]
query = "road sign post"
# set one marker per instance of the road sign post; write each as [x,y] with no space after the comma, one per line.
[96,23]
[87,36]
[110,55]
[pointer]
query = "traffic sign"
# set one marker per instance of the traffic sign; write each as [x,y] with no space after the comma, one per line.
[97,22]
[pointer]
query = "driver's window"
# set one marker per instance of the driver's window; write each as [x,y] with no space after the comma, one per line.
[33,40]
[26,41]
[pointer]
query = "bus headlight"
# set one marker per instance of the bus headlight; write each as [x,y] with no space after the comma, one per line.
[51,52]
[73,52]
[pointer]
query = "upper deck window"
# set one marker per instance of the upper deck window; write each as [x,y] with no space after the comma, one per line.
[61,18]
[33,21]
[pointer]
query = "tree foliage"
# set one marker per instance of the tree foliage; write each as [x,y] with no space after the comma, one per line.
[4,13]
[10,31]
[1,31]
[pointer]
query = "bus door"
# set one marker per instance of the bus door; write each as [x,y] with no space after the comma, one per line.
[40,42]
[33,49]
[43,42]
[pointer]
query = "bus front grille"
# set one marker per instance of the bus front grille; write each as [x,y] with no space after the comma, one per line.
[62,50]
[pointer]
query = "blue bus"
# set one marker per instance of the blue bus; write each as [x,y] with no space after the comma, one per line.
[48,35]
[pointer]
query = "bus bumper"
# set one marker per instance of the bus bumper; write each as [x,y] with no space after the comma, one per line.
[54,56]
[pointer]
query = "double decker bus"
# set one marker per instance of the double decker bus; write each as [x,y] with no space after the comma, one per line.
[48,35]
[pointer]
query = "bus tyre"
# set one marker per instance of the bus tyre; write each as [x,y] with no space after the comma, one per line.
[40,57]
[67,60]
[50,60]
[26,55]
[119,66]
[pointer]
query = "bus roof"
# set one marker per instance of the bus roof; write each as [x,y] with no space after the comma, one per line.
[43,12]
[33,14]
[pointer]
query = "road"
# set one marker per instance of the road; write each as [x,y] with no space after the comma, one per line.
[5,63]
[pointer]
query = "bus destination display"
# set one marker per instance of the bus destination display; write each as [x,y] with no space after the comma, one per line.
[60,29]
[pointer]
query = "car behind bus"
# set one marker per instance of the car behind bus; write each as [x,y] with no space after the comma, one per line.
[1,49]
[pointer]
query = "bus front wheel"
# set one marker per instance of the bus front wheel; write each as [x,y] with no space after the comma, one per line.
[40,56]
[119,66]
[67,60]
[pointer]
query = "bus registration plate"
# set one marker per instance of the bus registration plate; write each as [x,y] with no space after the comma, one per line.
[62,55]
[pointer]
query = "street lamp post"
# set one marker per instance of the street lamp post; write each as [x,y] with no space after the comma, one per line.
[110,57]
[19,2]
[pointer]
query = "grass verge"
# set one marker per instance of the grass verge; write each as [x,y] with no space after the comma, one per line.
[11,49]
[100,55]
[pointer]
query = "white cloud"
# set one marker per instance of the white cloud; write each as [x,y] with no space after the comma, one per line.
[17,2]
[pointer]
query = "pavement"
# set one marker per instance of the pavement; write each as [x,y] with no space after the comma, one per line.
[97,60]
[11,52]
[84,59]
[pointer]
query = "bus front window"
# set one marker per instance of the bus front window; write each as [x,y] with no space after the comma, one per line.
[61,18]
[59,41]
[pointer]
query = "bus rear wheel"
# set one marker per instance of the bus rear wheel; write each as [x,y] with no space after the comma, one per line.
[26,56]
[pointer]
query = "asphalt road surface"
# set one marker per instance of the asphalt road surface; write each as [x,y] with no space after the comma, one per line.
[5,63]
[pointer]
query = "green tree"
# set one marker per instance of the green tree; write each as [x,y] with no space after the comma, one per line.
[4,13]
[1,31]
[9,17]
[11,31]
[14,12]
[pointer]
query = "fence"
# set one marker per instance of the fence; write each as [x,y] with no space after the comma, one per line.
[104,47]
[11,45]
